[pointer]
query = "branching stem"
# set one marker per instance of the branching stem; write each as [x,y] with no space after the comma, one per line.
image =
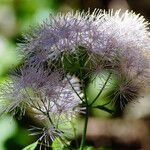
[86,117]
[100,92]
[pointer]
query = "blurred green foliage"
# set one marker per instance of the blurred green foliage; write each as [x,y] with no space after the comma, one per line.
[12,136]
[8,56]
[8,128]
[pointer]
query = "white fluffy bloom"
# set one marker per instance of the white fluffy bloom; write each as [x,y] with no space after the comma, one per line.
[121,31]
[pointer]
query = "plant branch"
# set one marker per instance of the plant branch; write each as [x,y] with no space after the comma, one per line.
[85,129]
[100,92]
[74,88]
[86,118]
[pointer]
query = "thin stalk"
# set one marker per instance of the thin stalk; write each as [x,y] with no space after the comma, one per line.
[86,118]
[103,108]
[100,92]
[50,120]
[74,88]
[85,129]
[47,112]
[87,110]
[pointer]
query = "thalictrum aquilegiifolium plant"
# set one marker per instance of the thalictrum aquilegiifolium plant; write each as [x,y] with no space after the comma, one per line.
[65,55]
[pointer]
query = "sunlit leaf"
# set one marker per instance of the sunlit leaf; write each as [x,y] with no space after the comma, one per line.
[104,109]
[57,144]
[31,146]
[95,85]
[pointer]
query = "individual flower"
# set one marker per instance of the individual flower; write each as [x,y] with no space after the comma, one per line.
[124,91]
[46,135]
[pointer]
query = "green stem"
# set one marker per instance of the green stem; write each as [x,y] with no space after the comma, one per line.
[86,117]
[74,88]
[85,129]
[87,110]
[103,108]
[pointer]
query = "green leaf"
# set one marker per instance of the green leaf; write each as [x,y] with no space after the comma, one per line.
[94,86]
[31,146]
[57,144]
[104,109]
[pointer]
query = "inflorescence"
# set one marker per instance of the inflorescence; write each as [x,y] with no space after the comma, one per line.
[61,55]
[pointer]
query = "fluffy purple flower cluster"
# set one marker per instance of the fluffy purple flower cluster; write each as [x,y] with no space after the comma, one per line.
[78,44]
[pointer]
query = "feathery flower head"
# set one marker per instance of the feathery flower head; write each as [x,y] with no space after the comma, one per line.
[103,33]
[91,42]
[69,48]
[33,86]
